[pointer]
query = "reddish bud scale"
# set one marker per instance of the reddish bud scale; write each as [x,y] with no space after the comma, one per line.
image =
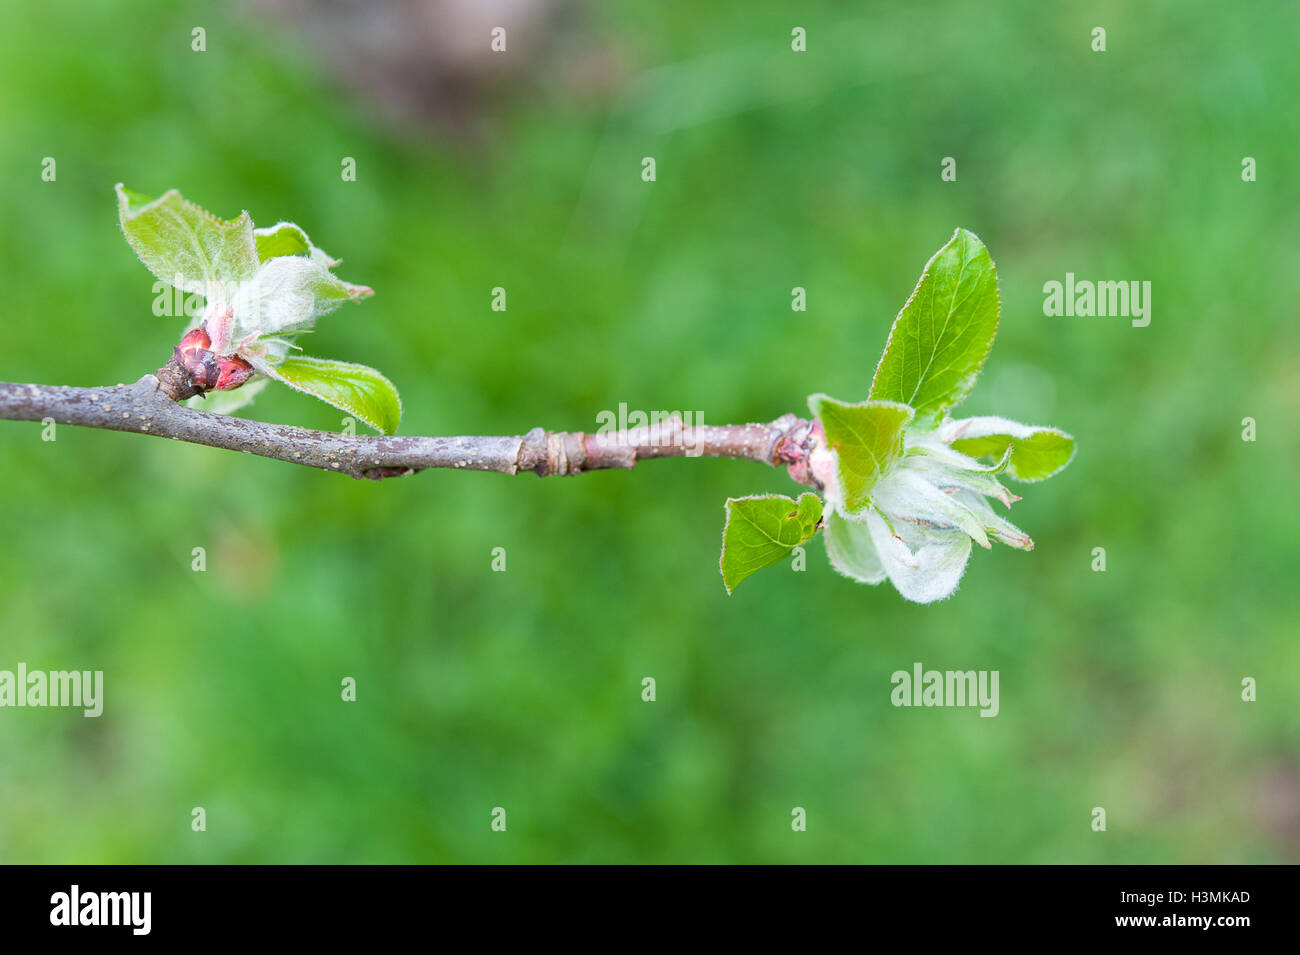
[233,371]
[193,354]
[194,339]
[209,371]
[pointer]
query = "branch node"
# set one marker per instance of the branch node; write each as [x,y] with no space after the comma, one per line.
[533,452]
[566,453]
[176,382]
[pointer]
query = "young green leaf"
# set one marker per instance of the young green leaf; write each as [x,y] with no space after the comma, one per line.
[186,246]
[356,389]
[283,238]
[942,336]
[764,530]
[867,438]
[1035,453]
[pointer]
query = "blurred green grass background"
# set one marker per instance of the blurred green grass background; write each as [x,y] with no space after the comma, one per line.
[522,689]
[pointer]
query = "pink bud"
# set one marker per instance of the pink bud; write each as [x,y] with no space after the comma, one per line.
[194,339]
[233,371]
[192,353]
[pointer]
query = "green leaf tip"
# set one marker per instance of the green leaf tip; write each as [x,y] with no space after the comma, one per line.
[1030,453]
[763,530]
[944,332]
[356,389]
[283,238]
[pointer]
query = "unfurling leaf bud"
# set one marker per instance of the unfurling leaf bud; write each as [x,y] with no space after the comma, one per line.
[261,288]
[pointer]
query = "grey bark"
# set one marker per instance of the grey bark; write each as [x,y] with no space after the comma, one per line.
[150,406]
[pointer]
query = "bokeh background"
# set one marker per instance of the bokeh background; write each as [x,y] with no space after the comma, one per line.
[522,689]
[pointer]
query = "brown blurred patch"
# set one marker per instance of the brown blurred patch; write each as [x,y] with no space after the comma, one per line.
[1276,799]
[430,63]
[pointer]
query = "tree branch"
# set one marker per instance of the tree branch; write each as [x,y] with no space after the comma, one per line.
[149,406]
